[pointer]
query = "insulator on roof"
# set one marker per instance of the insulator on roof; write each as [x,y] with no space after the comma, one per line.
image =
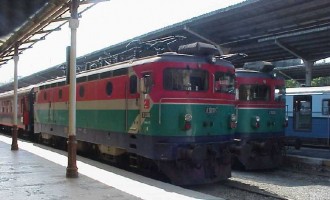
[198,49]
[261,66]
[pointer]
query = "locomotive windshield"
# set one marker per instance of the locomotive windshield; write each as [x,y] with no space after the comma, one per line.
[254,93]
[224,82]
[185,79]
[279,93]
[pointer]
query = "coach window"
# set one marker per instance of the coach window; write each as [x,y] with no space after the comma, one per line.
[133,84]
[45,95]
[60,94]
[109,88]
[224,82]
[326,106]
[81,91]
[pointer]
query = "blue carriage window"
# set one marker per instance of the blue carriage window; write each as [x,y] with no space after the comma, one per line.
[185,79]
[224,82]
[326,107]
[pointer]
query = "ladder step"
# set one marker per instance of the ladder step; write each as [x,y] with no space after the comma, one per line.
[133,161]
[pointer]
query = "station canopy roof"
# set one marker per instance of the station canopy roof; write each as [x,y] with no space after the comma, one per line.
[26,22]
[268,30]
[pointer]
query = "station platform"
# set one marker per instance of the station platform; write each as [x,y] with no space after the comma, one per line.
[314,160]
[38,172]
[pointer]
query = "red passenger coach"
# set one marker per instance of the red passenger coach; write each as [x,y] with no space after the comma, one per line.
[24,108]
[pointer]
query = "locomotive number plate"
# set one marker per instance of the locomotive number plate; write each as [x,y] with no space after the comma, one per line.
[272,112]
[145,114]
[211,110]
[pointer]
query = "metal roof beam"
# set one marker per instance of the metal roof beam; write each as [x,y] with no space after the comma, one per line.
[5,60]
[33,41]
[220,49]
[48,31]
[61,19]
[291,50]
[82,2]
[318,28]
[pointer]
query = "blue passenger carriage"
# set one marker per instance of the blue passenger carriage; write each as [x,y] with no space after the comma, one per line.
[309,115]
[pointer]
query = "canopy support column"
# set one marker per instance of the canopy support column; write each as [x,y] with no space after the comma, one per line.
[72,170]
[14,145]
[308,72]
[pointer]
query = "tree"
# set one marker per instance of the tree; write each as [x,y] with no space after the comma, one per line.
[291,83]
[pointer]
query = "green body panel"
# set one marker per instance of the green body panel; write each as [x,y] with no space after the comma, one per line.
[167,120]
[271,121]
[106,120]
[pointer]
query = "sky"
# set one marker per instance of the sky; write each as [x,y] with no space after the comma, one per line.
[106,24]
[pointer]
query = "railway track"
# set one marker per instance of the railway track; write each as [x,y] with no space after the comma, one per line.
[251,189]
[256,185]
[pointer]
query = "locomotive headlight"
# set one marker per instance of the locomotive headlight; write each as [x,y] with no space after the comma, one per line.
[233,121]
[233,118]
[187,122]
[256,123]
[188,117]
[211,59]
[274,75]
[286,122]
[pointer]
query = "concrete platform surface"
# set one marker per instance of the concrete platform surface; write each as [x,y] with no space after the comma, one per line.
[37,172]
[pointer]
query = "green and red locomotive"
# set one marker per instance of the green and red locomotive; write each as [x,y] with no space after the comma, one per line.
[172,111]
[261,117]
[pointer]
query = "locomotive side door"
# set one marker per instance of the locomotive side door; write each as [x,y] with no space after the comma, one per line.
[132,105]
[138,102]
[146,84]
[50,106]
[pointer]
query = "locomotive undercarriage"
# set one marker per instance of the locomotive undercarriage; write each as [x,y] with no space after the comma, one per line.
[182,163]
[257,154]
[198,164]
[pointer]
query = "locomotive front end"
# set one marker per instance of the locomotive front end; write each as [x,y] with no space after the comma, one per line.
[192,120]
[261,120]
